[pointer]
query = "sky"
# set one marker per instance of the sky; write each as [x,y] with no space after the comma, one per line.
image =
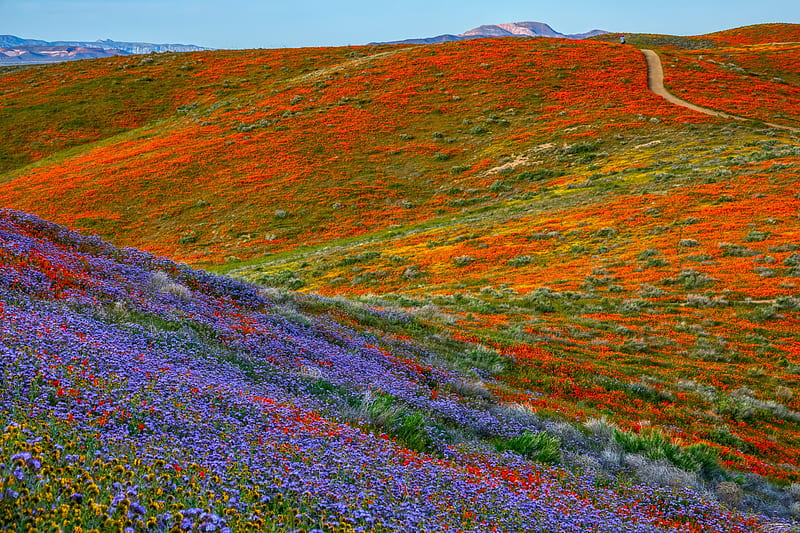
[294,23]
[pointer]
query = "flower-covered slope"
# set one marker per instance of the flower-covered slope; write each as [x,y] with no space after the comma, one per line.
[48,108]
[662,292]
[137,393]
[756,82]
[756,34]
[263,158]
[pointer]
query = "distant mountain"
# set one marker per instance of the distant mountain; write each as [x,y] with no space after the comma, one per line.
[512,29]
[30,55]
[18,51]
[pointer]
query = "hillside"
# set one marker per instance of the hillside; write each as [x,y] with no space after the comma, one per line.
[745,36]
[516,227]
[143,394]
[399,151]
[46,109]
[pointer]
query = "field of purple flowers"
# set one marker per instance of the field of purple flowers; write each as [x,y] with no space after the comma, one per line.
[141,395]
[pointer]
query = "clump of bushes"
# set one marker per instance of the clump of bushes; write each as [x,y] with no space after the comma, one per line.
[690,279]
[463,260]
[520,261]
[387,413]
[539,174]
[539,447]
[700,458]
[285,279]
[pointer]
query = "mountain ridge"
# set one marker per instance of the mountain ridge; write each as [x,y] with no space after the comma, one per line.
[20,51]
[508,29]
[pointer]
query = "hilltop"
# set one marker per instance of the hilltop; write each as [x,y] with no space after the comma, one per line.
[512,224]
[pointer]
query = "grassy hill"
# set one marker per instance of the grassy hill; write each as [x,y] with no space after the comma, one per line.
[522,213]
[410,134]
[757,34]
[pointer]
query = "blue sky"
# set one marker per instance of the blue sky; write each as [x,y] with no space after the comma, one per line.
[271,24]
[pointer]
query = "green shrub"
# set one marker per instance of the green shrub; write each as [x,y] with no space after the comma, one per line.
[762,313]
[484,359]
[736,250]
[521,260]
[498,186]
[756,236]
[412,432]
[539,174]
[539,447]
[792,260]
[605,233]
[541,300]
[648,253]
[581,148]
[188,238]
[690,279]
[359,258]
[285,279]
[388,413]
[656,262]
[654,445]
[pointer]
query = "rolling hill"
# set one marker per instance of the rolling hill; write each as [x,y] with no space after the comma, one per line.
[488,246]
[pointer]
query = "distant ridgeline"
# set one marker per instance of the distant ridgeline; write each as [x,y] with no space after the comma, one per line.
[18,51]
[511,29]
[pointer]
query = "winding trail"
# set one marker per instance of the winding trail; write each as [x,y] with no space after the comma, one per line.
[655,81]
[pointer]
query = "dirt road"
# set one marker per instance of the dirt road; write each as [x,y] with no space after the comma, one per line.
[655,80]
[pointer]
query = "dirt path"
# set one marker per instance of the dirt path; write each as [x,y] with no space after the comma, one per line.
[655,80]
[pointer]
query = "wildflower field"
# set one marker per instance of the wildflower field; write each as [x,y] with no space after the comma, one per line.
[489,285]
[141,394]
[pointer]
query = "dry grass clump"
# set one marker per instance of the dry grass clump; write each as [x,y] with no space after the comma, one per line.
[730,493]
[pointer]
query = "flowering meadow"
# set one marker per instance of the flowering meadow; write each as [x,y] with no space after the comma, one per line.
[750,72]
[677,310]
[489,285]
[46,109]
[141,395]
[237,173]
[755,34]
[757,82]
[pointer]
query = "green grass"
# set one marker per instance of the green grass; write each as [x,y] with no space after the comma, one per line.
[700,457]
[538,447]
